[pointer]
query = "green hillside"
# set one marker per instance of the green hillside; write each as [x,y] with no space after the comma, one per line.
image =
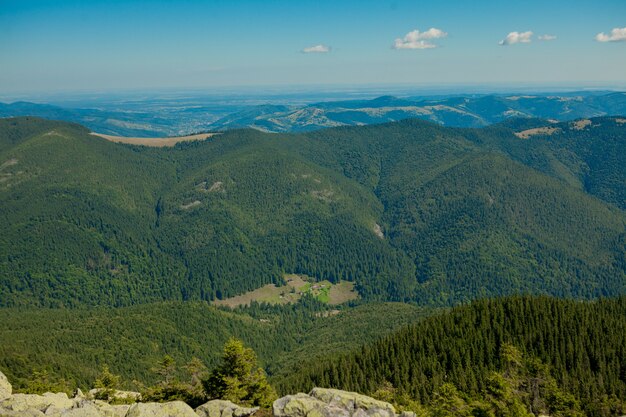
[572,354]
[74,344]
[409,211]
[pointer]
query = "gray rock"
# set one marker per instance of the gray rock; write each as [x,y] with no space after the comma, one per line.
[303,405]
[108,410]
[222,408]
[352,401]
[5,387]
[322,402]
[25,413]
[23,402]
[117,394]
[83,409]
[171,409]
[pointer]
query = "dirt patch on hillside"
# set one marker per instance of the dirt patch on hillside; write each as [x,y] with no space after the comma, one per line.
[190,205]
[581,124]
[525,134]
[156,142]
[8,163]
[378,231]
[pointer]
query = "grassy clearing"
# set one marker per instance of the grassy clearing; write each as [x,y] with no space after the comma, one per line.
[157,142]
[295,286]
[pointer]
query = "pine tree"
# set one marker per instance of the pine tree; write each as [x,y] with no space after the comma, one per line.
[239,378]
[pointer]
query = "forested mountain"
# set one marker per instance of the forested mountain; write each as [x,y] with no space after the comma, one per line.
[409,211]
[547,355]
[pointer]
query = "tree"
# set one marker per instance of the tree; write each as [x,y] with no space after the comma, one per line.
[171,388]
[107,383]
[239,378]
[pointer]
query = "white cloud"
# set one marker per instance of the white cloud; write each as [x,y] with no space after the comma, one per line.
[517,37]
[617,34]
[546,37]
[419,40]
[316,49]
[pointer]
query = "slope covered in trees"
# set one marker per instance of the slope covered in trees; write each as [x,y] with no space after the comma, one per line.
[74,344]
[552,356]
[409,211]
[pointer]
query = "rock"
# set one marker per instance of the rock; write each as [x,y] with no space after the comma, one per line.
[5,387]
[222,408]
[26,413]
[322,402]
[171,409]
[83,409]
[23,402]
[352,401]
[116,394]
[108,410]
[303,405]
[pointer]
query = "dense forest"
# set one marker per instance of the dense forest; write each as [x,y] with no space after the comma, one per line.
[549,355]
[74,344]
[409,211]
[516,356]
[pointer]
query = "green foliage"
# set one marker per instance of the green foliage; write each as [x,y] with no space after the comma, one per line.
[169,386]
[41,381]
[503,357]
[107,383]
[465,213]
[239,378]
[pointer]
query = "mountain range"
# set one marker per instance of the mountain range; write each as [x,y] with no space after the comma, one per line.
[408,211]
[156,119]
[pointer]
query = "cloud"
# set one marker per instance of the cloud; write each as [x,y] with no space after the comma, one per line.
[316,49]
[546,37]
[617,35]
[517,37]
[419,40]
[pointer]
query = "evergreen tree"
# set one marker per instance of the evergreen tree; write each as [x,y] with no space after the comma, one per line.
[239,378]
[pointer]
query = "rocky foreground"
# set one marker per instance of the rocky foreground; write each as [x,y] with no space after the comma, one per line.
[320,402]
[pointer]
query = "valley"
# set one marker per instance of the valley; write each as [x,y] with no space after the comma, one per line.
[317,249]
[312,208]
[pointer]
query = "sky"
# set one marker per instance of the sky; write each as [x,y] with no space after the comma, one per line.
[66,45]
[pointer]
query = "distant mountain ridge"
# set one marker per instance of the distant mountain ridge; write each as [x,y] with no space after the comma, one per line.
[457,111]
[453,112]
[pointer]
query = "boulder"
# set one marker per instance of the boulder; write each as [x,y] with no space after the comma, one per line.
[109,410]
[24,402]
[171,409]
[5,387]
[322,402]
[222,408]
[116,394]
[82,409]
[303,405]
[352,401]
[26,413]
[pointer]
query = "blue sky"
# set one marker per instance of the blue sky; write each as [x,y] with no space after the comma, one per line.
[60,45]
